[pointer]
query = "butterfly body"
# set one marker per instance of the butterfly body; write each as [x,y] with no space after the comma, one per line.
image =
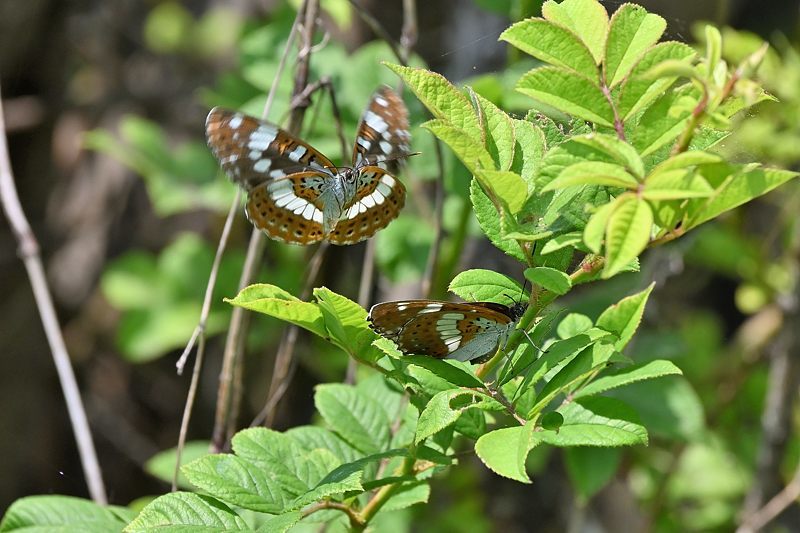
[446,330]
[296,194]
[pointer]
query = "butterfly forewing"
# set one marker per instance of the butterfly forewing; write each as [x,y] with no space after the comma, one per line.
[463,331]
[383,131]
[252,151]
[379,199]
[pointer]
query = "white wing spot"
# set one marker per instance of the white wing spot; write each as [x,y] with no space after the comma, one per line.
[386,147]
[262,165]
[297,153]
[236,121]
[381,101]
[261,138]
[375,122]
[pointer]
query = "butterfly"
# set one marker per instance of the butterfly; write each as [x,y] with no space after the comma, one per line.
[446,330]
[297,195]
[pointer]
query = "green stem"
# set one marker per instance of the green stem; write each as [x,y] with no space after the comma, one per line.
[387,491]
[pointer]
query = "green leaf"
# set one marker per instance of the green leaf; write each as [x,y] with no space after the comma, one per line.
[628,375]
[276,302]
[344,319]
[597,421]
[551,279]
[345,478]
[568,92]
[442,99]
[662,122]
[509,187]
[590,469]
[162,465]
[480,285]
[735,185]
[452,371]
[529,150]
[407,495]
[627,233]
[490,222]
[469,150]
[595,231]
[624,317]
[676,185]
[281,523]
[593,173]
[441,413]
[312,437]
[236,482]
[573,239]
[638,90]
[499,132]
[619,151]
[504,451]
[589,359]
[588,19]
[62,513]
[632,31]
[684,160]
[552,44]
[357,418]
[281,458]
[186,512]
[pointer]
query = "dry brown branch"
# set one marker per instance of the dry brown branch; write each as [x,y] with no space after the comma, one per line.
[29,253]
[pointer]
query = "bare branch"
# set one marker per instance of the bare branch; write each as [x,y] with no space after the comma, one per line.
[29,252]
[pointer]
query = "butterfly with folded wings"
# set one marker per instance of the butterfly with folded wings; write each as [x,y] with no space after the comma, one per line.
[297,195]
[467,331]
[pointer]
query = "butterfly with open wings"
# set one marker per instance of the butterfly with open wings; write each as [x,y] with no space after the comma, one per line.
[467,331]
[297,195]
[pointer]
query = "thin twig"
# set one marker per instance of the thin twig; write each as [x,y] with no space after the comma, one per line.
[378,30]
[29,253]
[773,507]
[234,346]
[285,362]
[364,297]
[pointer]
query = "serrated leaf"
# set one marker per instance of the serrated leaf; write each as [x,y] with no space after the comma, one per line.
[568,92]
[585,362]
[281,523]
[280,457]
[593,173]
[628,375]
[278,303]
[312,437]
[61,513]
[623,318]
[597,421]
[345,478]
[442,99]
[481,285]
[499,132]
[186,512]
[632,31]
[551,279]
[595,231]
[590,469]
[552,44]
[662,122]
[452,371]
[627,233]
[573,239]
[469,150]
[489,221]
[237,482]
[588,19]
[735,185]
[162,465]
[504,451]
[440,413]
[619,151]
[344,319]
[529,150]
[676,184]
[357,418]
[639,90]
[407,495]
[507,186]
[684,160]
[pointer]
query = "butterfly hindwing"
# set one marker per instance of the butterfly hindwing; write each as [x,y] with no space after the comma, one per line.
[383,131]
[252,151]
[379,199]
[462,331]
[287,209]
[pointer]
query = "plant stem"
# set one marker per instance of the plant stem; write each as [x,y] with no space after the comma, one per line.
[386,492]
[29,253]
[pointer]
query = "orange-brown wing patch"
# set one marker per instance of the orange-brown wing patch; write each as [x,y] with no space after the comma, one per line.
[383,131]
